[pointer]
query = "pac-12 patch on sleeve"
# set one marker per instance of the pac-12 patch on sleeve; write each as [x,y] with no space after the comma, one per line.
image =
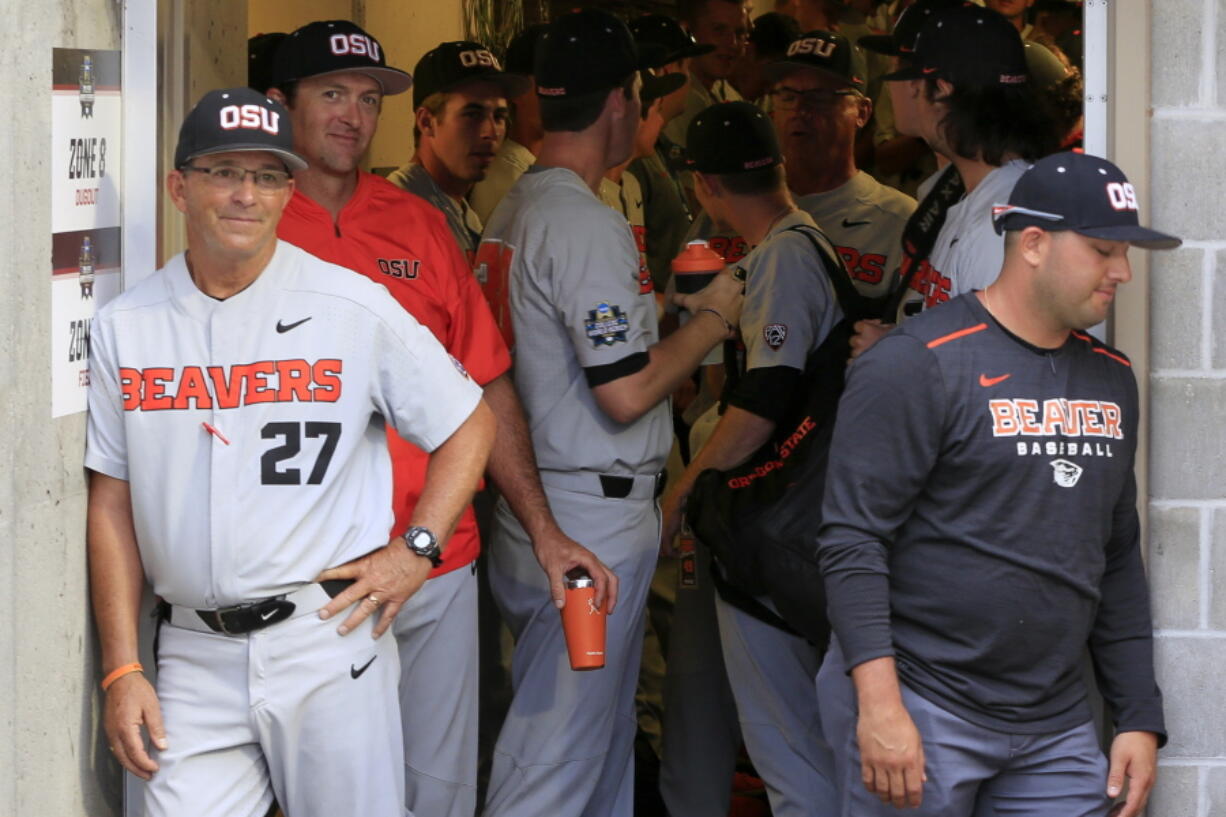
[606,325]
[775,334]
[459,367]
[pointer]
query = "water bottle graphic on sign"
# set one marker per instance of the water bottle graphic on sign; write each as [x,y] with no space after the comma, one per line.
[86,92]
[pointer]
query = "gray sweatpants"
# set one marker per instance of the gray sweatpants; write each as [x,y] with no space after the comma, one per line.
[972,771]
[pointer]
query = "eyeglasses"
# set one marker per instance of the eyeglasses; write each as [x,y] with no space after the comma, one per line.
[226,177]
[789,99]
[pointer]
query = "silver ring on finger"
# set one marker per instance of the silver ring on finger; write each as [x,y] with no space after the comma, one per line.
[373,600]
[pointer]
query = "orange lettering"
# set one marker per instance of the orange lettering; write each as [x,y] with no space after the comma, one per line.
[156,398]
[1026,410]
[193,386]
[258,390]
[1091,415]
[1004,418]
[227,386]
[129,387]
[1054,417]
[327,381]
[1111,420]
[295,381]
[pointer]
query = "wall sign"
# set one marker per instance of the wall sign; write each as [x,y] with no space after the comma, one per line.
[86,124]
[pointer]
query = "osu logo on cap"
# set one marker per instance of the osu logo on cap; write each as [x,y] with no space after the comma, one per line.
[250,117]
[1122,196]
[812,45]
[358,45]
[476,57]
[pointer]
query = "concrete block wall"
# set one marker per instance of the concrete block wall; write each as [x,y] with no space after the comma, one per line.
[1187,504]
[52,758]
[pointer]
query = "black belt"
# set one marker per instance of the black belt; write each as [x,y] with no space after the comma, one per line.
[615,487]
[253,615]
[611,486]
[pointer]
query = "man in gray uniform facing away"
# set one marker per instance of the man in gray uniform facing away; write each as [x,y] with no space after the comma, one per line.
[595,380]
[790,308]
[980,531]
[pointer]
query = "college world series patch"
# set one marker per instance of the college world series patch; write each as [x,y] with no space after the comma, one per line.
[775,334]
[606,325]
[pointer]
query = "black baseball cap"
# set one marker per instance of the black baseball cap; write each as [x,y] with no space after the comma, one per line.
[521,53]
[664,32]
[902,42]
[261,53]
[235,120]
[452,64]
[1082,193]
[823,51]
[586,52]
[331,46]
[773,32]
[731,137]
[969,46]
[656,86]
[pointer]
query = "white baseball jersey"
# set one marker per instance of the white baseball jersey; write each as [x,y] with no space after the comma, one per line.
[251,429]
[864,219]
[968,253]
[626,198]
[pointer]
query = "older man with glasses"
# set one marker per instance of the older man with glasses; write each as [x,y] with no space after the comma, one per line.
[237,407]
[818,106]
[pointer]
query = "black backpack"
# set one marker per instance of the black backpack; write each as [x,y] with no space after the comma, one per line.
[757,518]
[760,519]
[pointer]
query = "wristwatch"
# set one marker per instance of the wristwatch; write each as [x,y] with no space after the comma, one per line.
[423,542]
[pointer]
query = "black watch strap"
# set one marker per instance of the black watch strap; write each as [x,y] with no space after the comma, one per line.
[424,543]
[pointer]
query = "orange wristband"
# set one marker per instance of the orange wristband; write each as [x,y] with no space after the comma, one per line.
[118,673]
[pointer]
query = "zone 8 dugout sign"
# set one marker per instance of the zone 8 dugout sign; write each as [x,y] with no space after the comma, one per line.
[86,123]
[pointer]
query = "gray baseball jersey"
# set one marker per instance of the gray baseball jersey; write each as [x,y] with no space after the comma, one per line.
[462,220]
[251,430]
[578,302]
[968,253]
[790,305]
[864,219]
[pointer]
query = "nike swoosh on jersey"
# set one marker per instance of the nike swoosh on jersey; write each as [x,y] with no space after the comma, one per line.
[988,382]
[847,223]
[356,672]
[282,328]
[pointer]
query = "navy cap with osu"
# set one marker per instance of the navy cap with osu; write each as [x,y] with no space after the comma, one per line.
[331,46]
[237,119]
[1082,193]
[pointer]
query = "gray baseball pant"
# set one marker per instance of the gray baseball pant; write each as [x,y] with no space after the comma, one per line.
[436,634]
[566,746]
